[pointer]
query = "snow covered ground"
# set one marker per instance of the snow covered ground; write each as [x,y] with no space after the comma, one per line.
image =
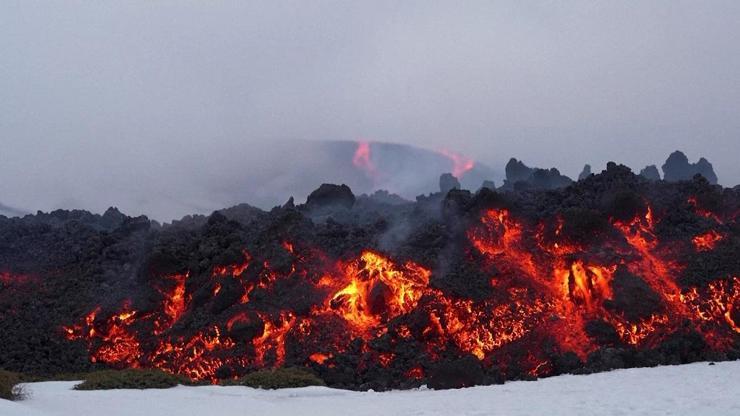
[693,389]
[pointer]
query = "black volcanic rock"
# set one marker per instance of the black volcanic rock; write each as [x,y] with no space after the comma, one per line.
[488,184]
[112,217]
[464,372]
[585,173]
[328,195]
[633,298]
[650,173]
[677,168]
[623,204]
[384,197]
[517,171]
[245,213]
[705,169]
[521,177]
[447,182]
[549,179]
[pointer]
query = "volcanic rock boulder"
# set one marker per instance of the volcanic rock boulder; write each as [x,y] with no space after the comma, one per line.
[633,298]
[328,195]
[677,168]
[585,173]
[549,179]
[623,204]
[650,173]
[447,182]
[385,197]
[489,184]
[112,218]
[520,177]
[517,171]
[584,224]
[455,374]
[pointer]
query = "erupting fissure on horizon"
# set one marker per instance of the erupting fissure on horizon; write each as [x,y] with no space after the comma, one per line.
[460,164]
[362,159]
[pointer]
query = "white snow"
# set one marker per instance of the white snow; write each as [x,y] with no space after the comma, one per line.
[693,389]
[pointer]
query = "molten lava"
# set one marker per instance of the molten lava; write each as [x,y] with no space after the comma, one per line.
[297,306]
[14,279]
[706,241]
[362,160]
[378,290]
[174,303]
[693,202]
[460,164]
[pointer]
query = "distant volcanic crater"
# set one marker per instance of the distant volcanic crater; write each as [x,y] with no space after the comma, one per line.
[288,168]
[455,289]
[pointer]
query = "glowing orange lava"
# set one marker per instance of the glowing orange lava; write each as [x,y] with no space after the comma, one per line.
[460,164]
[537,289]
[706,241]
[378,290]
[362,159]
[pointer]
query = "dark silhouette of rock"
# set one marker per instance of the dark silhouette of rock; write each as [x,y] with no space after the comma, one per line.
[650,172]
[521,177]
[549,179]
[245,213]
[112,218]
[489,184]
[677,168]
[464,372]
[585,173]
[632,297]
[384,197]
[447,182]
[331,195]
[517,171]
[706,170]
[242,213]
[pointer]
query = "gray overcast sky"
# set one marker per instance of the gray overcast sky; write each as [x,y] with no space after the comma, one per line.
[128,90]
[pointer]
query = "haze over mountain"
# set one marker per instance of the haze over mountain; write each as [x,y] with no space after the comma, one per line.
[270,174]
[263,175]
[159,100]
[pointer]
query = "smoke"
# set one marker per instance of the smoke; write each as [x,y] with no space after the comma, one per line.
[11,211]
[263,174]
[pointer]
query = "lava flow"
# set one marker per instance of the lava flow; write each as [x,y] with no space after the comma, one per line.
[706,241]
[460,164]
[361,160]
[543,298]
